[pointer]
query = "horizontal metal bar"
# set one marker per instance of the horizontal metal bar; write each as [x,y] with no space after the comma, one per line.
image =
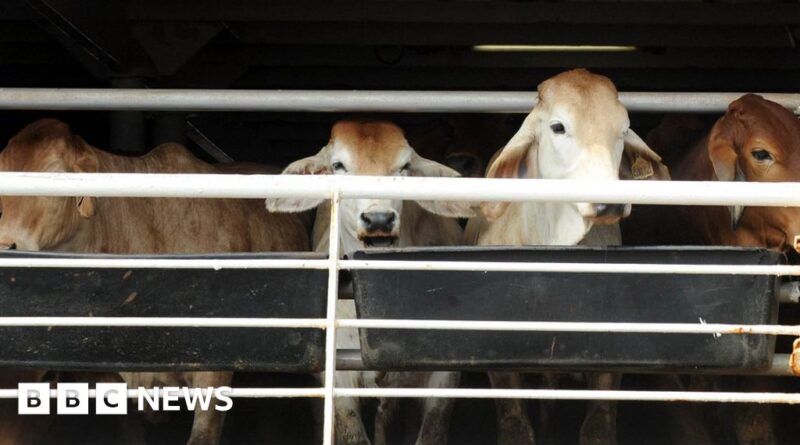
[247,393]
[349,13]
[624,268]
[178,322]
[571,326]
[471,325]
[468,266]
[573,394]
[775,194]
[474,393]
[780,367]
[350,360]
[158,263]
[343,101]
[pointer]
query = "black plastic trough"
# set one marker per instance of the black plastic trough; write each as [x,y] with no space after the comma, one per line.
[535,296]
[163,293]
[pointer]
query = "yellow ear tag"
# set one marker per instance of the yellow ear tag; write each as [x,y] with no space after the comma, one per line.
[642,168]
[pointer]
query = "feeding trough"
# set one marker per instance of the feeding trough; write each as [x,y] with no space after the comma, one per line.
[105,292]
[582,297]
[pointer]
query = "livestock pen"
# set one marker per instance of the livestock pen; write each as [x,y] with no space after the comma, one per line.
[166,101]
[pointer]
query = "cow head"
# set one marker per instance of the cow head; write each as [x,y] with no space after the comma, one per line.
[579,129]
[464,142]
[369,149]
[40,222]
[759,140]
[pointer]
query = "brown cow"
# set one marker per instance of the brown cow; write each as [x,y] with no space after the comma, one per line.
[135,225]
[756,140]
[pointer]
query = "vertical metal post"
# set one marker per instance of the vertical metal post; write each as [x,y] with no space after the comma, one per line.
[330,334]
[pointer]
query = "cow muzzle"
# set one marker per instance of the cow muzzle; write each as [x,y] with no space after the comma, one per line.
[378,229]
[607,213]
[8,245]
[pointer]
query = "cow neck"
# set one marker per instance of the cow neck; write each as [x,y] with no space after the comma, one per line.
[553,223]
[347,241]
[696,166]
[99,233]
[710,223]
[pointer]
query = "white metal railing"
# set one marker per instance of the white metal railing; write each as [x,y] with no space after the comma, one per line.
[349,101]
[337,188]
[774,194]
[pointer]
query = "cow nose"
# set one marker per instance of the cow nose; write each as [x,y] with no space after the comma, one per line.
[378,221]
[609,209]
[8,246]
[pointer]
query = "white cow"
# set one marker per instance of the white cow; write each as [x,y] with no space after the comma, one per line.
[379,149]
[578,130]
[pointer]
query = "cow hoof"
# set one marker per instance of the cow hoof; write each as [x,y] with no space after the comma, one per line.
[350,439]
[351,436]
[515,432]
[202,440]
[598,429]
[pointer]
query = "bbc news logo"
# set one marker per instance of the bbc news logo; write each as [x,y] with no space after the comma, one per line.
[112,398]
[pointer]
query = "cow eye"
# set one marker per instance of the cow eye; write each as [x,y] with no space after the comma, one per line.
[761,155]
[558,128]
[338,166]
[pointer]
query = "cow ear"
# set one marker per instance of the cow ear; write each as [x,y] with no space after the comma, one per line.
[722,151]
[640,161]
[514,161]
[736,211]
[420,166]
[87,206]
[319,164]
[86,162]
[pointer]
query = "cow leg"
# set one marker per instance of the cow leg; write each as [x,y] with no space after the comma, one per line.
[547,408]
[387,409]
[18,429]
[131,429]
[754,423]
[349,425]
[513,425]
[207,425]
[436,412]
[686,423]
[600,424]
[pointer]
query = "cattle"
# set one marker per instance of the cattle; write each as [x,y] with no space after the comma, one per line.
[87,224]
[756,140]
[578,130]
[379,149]
[464,142]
